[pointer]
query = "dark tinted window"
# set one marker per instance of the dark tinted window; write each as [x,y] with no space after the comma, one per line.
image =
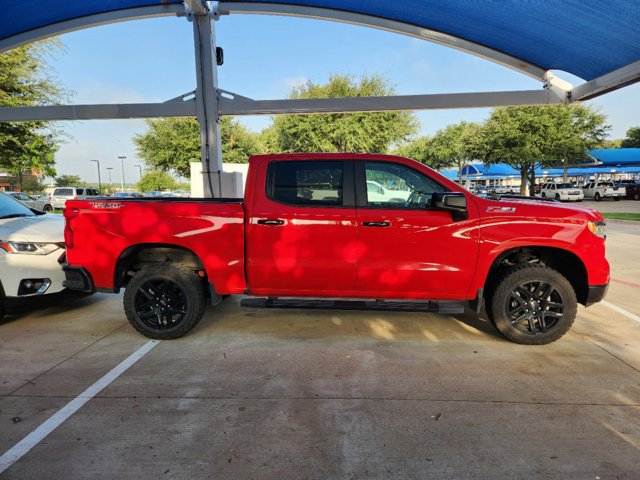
[306,182]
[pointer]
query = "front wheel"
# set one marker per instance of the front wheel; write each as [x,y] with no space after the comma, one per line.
[532,304]
[164,301]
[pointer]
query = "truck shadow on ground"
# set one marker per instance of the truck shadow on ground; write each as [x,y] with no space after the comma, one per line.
[230,318]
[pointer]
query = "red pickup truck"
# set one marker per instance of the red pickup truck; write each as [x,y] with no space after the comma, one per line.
[379,230]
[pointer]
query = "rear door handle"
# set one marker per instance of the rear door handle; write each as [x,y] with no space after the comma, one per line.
[376,224]
[270,221]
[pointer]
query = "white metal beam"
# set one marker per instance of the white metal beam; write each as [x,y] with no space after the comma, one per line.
[242,106]
[606,83]
[517,64]
[98,112]
[237,105]
[90,21]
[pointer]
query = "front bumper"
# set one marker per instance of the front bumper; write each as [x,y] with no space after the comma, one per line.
[15,269]
[77,279]
[596,294]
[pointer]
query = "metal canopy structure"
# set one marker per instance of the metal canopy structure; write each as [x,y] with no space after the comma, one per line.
[598,42]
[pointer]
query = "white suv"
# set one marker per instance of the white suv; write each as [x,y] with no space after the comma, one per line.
[561,191]
[31,247]
[61,194]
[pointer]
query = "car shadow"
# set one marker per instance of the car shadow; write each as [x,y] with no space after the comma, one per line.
[67,300]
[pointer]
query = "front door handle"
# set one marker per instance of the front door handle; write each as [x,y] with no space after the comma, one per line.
[270,221]
[376,224]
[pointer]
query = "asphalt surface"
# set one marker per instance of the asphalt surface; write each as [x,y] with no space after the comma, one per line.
[270,394]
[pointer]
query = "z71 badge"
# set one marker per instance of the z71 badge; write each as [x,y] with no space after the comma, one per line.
[106,205]
[501,209]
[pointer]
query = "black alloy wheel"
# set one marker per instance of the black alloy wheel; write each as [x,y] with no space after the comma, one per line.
[165,301]
[532,304]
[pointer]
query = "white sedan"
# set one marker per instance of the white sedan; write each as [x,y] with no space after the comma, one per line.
[31,248]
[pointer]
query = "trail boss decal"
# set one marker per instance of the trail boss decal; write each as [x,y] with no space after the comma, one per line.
[106,205]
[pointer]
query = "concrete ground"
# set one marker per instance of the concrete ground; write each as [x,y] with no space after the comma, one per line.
[263,394]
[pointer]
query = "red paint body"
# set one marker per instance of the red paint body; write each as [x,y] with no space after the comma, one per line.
[320,251]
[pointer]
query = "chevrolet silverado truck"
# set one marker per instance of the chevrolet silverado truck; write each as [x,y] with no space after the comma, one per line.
[311,232]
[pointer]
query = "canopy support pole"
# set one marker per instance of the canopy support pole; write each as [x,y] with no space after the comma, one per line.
[206,97]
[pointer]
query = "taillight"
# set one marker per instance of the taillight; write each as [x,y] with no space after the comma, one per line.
[75,197]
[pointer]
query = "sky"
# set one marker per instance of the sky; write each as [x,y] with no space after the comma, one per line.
[152,60]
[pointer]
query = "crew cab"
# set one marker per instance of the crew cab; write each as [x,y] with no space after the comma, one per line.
[599,190]
[311,226]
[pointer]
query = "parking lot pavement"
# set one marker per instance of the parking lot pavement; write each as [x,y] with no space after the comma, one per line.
[327,394]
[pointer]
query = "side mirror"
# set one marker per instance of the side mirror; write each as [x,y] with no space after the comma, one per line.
[454,202]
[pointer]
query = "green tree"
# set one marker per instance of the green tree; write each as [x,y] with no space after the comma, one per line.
[632,139]
[615,143]
[171,144]
[448,147]
[27,147]
[547,135]
[156,180]
[68,181]
[32,186]
[353,132]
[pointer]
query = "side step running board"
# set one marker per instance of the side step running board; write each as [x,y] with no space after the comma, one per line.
[446,307]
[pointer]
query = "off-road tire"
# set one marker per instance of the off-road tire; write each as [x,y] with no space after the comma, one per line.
[165,301]
[532,304]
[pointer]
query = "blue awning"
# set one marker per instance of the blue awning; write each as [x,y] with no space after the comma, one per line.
[617,157]
[586,39]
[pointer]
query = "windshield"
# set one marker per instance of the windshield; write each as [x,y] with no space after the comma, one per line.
[10,207]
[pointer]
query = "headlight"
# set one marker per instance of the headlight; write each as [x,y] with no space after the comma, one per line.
[598,228]
[30,248]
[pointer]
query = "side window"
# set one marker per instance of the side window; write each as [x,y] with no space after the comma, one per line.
[79,191]
[306,182]
[391,185]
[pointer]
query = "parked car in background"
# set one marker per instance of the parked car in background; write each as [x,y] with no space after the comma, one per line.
[631,188]
[31,249]
[562,192]
[61,194]
[633,191]
[127,195]
[599,190]
[181,193]
[152,193]
[31,201]
[378,193]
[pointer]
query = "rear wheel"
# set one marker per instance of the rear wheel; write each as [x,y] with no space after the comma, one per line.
[616,199]
[532,304]
[597,197]
[47,208]
[558,196]
[164,301]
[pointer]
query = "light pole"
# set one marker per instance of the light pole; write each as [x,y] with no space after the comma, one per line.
[122,157]
[109,170]
[140,169]
[99,181]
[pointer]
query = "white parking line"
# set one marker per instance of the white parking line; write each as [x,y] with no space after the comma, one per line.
[35,437]
[621,311]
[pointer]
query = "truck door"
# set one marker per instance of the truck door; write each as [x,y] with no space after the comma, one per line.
[302,233]
[407,249]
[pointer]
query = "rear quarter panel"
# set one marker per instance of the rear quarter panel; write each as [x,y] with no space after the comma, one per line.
[213,231]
